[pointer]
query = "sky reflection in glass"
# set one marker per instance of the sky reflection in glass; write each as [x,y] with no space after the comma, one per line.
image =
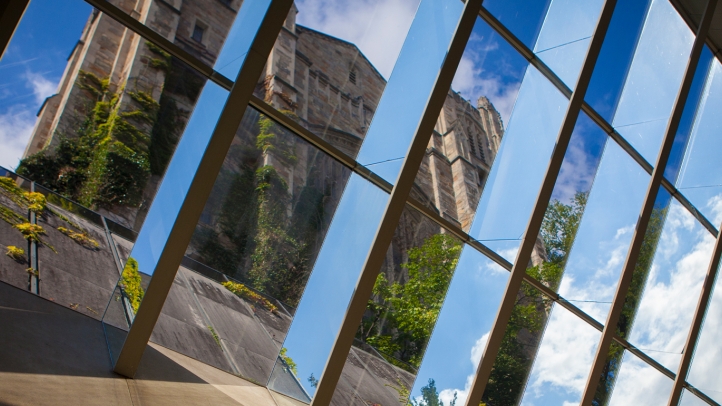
[565,35]
[465,320]
[637,383]
[705,372]
[673,286]
[524,25]
[700,178]
[563,360]
[615,56]
[410,84]
[605,232]
[653,79]
[520,165]
[333,280]
[690,399]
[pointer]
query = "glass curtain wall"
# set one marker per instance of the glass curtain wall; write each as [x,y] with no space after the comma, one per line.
[277,252]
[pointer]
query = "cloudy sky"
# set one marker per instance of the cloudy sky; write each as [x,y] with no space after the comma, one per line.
[32,66]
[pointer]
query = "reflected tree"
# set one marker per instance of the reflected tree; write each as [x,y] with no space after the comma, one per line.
[400,316]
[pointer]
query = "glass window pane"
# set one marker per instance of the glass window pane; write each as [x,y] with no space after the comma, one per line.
[463,326]
[653,80]
[306,343]
[514,180]
[330,286]
[704,372]
[605,231]
[401,313]
[565,36]
[637,383]
[470,127]
[410,85]
[15,259]
[699,179]
[331,63]
[690,399]
[692,109]
[110,114]
[615,56]
[666,284]
[76,262]
[524,25]
[199,27]
[563,360]
[568,201]
[514,360]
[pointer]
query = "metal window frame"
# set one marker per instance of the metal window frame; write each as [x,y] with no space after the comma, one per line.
[394,208]
[361,170]
[574,108]
[696,328]
[655,183]
[200,188]
[11,15]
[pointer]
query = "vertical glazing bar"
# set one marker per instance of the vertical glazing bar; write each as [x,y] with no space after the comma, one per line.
[610,327]
[476,391]
[33,279]
[397,201]
[10,15]
[186,214]
[694,331]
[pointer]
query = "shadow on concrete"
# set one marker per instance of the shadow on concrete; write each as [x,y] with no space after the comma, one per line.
[41,337]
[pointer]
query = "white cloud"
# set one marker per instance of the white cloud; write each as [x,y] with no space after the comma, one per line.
[41,86]
[447,395]
[15,129]
[495,269]
[564,357]
[638,383]
[682,258]
[577,172]
[17,122]
[377,27]
[478,349]
[473,82]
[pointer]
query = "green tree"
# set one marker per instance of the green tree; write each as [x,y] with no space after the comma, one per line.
[411,309]
[513,363]
[633,299]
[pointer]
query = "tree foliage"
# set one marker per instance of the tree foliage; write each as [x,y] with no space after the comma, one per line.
[409,310]
[514,360]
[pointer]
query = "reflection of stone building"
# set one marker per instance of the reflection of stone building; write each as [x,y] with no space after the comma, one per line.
[326,82]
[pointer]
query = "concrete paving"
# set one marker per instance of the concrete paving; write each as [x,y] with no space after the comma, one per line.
[201,319]
[52,355]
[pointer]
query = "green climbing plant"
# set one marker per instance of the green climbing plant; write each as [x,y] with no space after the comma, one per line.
[131,283]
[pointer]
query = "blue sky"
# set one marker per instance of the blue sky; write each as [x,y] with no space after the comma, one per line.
[32,66]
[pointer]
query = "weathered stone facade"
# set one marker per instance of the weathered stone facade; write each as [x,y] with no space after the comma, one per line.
[328,83]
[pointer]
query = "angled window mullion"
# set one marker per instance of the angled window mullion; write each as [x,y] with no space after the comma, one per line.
[694,331]
[655,183]
[529,55]
[10,15]
[397,201]
[530,236]
[190,176]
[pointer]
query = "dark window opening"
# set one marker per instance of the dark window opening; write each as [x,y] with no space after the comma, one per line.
[352,77]
[198,33]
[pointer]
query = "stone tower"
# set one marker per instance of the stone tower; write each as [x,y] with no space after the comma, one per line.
[327,83]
